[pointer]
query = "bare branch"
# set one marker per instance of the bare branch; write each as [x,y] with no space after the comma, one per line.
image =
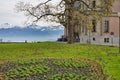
[42,4]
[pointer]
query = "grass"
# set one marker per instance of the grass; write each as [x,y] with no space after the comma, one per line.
[107,56]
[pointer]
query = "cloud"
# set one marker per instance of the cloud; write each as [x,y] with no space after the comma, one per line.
[8,14]
[43,30]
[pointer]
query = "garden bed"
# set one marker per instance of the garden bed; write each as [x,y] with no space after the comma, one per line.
[51,69]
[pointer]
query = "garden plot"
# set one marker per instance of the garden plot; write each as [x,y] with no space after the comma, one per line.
[49,69]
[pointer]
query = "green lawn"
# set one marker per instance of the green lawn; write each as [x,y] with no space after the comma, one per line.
[107,56]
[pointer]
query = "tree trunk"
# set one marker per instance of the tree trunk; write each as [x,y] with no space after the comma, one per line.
[70,25]
[70,33]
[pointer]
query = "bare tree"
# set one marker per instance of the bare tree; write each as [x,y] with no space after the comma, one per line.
[67,12]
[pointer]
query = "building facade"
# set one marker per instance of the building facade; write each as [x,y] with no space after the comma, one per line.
[105,32]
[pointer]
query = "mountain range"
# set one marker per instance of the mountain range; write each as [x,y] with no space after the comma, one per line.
[30,33]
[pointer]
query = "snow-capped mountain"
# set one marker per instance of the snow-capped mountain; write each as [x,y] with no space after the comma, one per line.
[31,33]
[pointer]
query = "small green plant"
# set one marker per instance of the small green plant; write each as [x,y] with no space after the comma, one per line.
[28,62]
[70,76]
[27,71]
[70,63]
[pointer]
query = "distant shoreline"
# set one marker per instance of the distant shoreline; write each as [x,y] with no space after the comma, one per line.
[10,42]
[24,42]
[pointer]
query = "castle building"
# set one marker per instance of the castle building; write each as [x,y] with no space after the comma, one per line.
[105,32]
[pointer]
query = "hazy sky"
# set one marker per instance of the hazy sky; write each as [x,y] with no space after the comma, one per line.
[9,15]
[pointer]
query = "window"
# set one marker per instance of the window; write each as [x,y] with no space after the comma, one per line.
[94,4]
[106,40]
[94,26]
[77,4]
[106,27]
[93,38]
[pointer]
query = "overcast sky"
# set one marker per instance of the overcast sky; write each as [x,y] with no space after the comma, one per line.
[9,15]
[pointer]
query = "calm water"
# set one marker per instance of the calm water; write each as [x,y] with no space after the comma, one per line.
[30,38]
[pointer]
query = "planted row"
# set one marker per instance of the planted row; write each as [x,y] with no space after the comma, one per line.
[27,71]
[70,63]
[70,76]
[46,69]
[28,62]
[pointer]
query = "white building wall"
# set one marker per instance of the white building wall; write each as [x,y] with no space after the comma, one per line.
[99,40]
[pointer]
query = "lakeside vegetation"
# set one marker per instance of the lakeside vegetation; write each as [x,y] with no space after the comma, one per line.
[107,56]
